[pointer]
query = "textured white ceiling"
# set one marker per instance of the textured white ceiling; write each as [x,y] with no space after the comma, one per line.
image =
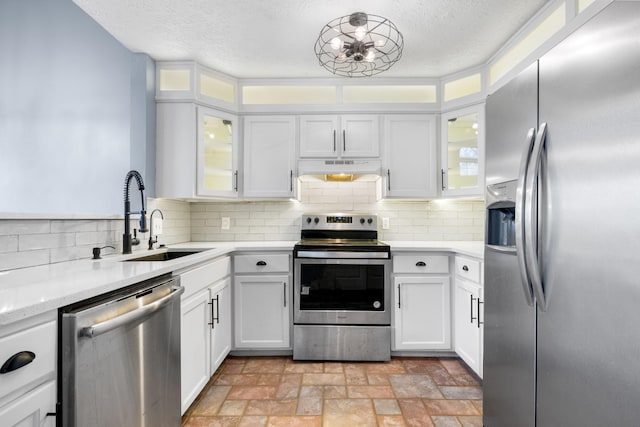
[259,38]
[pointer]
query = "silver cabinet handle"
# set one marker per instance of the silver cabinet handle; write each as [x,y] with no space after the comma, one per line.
[284,290]
[235,186]
[132,316]
[472,299]
[388,180]
[519,216]
[334,140]
[215,319]
[398,295]
[291,180]
[442,179]
[530,213]
[344,140]
[479,302]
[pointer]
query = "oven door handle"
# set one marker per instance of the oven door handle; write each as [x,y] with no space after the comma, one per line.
[342,254]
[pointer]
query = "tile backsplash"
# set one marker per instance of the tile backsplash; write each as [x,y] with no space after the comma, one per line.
[31,242]
[409,220]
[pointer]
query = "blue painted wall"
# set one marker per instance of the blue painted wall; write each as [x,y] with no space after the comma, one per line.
[76,112]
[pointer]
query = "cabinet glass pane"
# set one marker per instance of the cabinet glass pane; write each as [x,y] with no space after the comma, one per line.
[462,152]
[218,153]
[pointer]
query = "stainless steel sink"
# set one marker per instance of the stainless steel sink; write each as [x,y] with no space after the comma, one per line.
[164,256]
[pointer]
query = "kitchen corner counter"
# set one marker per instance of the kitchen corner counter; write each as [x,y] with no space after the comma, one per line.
[35,290]
[469,248]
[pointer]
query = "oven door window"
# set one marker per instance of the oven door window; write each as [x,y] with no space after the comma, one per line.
[342,287]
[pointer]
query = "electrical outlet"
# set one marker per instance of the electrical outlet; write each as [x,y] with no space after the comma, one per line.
[226,223]
[385,223]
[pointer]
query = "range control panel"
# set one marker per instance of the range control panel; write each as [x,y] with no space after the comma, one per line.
[312,221]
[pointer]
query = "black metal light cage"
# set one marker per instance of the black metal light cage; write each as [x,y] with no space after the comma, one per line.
[352,58]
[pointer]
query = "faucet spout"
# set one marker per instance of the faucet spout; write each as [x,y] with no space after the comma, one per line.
[127,241]
[151,239]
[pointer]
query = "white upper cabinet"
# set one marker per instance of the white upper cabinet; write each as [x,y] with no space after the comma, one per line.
[409,162]
[269,156]
[217,162]
[462,163]
[196,152]
[327,136]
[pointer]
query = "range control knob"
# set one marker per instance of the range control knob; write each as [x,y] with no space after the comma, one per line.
[369,221]
[308,220]
[361,220]
[316,220]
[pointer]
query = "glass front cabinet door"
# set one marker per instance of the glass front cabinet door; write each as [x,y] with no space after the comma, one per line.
[217,154]
[462,163]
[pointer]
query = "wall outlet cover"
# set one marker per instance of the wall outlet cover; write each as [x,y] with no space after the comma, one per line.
[385,223]
[226,223]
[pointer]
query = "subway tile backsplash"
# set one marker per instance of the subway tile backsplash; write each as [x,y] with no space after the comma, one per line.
[409,220]
[26,243]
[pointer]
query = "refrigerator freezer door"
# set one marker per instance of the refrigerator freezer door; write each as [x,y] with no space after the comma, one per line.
[510,322]
[589,339]
[509,345]
[511,112]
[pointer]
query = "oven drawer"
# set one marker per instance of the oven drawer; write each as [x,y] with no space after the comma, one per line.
[261,263]
[421,263]
[468,268]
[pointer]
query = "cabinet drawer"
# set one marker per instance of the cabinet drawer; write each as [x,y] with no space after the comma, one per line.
[262,263]
[41,341]
[421,264]
[201,277]
[468,268]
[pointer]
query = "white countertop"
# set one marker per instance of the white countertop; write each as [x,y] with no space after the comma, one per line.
[31,291]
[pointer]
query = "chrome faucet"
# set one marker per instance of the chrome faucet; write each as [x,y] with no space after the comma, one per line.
[151,239]
[127,241]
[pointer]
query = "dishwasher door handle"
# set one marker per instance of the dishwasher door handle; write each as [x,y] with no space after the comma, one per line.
[132,316]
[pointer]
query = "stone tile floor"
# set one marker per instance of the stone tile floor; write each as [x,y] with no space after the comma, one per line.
[277,391]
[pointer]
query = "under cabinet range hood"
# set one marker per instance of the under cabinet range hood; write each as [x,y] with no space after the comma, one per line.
[339,169]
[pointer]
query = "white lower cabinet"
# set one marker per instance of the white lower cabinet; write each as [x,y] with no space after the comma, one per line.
[421,313]
[262,306]
[205,328]
[28,391]
[469,313]
[220,322]
[31,409]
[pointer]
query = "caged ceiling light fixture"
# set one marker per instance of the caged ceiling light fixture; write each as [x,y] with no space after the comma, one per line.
[359,45]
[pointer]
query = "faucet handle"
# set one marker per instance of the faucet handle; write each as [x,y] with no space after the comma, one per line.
[135,240]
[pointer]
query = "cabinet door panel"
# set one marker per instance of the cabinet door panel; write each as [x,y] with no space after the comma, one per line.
[221,328]
[410,156]
[360,136]
[262,311]
[194,346]
[422,313]
[318,136]
[269,156]
[31,409]
[467,332]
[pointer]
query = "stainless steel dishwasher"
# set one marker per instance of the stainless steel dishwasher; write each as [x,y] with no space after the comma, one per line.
[120,358]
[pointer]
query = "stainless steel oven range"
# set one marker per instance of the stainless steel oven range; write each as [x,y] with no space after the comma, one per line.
[342,295]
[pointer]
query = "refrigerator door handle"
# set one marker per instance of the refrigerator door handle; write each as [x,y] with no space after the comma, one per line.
[520,209]
[531,253]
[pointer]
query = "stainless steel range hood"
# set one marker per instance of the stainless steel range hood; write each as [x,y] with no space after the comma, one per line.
[339,169]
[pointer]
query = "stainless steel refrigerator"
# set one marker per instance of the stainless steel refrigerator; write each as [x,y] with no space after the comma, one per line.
[562,272]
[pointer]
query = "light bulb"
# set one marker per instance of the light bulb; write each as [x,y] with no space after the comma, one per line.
[212,135]
[360,33]
[474,126]
[342,56]
[380,42]
[369,55]
[336,43]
